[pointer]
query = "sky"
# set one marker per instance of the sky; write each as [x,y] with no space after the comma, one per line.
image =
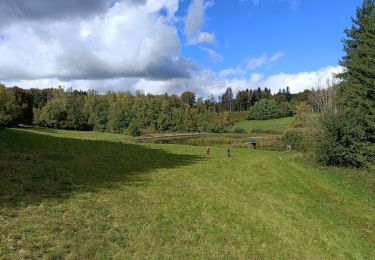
[172,46]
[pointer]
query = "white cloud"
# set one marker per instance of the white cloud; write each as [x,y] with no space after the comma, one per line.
[300,81]
[230,72]
[277,56]
[210,83]
[213,54]
[194,18]
[256,77]
[194,21]
[201,37]
[259,62]
[127,47]
[203,83]
[297,82]
[126,40]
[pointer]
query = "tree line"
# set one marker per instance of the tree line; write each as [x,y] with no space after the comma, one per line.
[118,111]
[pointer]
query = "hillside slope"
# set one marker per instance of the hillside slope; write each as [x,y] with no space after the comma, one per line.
[62,197]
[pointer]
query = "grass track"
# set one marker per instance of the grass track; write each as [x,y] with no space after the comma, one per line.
[74,198]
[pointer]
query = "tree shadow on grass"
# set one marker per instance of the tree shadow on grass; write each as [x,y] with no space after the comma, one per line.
[35,167]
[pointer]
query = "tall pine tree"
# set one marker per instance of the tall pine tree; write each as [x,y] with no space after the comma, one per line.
[348,136]
[358,86]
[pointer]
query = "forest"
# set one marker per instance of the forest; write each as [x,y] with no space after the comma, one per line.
[117,112]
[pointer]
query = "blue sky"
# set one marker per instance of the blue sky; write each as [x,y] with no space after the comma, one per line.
[172,46]
[308,33]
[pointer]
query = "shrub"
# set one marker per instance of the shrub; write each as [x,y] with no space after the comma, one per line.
[284,109]
[342,141]
[295,138]
[134,129]
[219,129]
[239,130]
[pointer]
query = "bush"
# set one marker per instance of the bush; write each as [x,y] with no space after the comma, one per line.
[239,130]
[295,138]
[342,141]
[134,129]
[284,109]
[219,129]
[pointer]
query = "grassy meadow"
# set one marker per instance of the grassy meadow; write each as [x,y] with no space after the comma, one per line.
[267,133]
[89,195]
[276,126]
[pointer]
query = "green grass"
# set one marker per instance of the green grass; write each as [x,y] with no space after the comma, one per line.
[277,126]
[85,199]
[83,135]
[264,141]
[238,116]
[212,118]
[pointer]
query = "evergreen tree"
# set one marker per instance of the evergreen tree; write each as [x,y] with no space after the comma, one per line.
[357,89]
[165,120]
[359,64]
[75,118]
[89,107]
[101,117]
[241,98]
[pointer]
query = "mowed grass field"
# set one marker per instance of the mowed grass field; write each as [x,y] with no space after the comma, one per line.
[93,197]
[274,126]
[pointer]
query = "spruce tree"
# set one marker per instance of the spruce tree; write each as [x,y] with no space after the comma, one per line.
[357,89]
[358,86]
